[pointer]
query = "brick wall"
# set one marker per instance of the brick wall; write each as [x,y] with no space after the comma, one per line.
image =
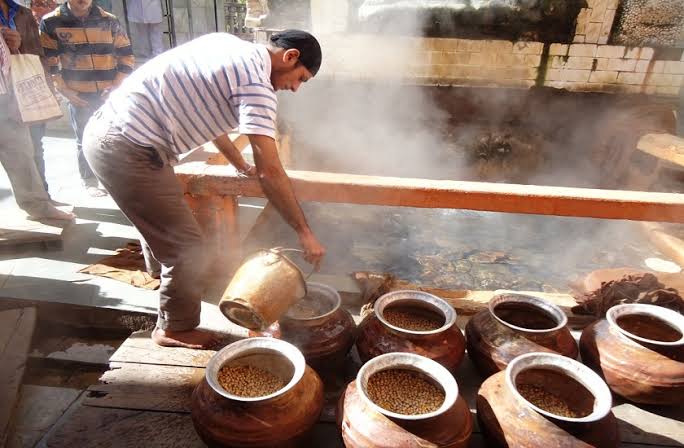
[581,67]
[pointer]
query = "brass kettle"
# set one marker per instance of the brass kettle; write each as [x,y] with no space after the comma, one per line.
[263,288]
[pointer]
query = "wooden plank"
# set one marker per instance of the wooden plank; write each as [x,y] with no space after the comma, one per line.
[16,330]
[202,179]
[664,146]
[89,426]
[145,387]
[16,229]
[668,244]
[652,425]
[139,348]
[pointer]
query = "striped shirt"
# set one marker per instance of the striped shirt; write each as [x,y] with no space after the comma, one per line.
[196,92]
[87,55]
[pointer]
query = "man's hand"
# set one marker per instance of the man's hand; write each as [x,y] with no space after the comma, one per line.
[12,38]
[73,98]
[247,170]
[313,250]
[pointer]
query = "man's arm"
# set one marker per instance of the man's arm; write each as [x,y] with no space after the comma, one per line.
[234,156]
[278,189]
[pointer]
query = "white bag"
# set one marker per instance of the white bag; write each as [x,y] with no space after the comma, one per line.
[35,100]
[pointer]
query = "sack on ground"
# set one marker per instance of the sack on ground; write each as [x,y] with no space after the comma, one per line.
[35,100]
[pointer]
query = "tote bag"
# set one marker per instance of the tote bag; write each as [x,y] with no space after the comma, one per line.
[35,100]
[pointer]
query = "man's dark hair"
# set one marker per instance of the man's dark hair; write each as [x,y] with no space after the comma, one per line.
[309,49]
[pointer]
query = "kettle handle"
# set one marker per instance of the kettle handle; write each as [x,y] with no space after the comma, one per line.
[284,249]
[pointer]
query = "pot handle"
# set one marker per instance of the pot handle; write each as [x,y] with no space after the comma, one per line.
[284,249]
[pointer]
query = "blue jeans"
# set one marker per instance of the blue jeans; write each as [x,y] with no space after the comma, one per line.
[79,118]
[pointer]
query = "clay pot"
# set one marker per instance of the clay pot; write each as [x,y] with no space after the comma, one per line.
[324,337]
[281,419]
[513,325]
[508,419]
[367,425]
[639,350]
[377,336]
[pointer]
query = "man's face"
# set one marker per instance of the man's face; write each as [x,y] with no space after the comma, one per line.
[80,7]
[290,79]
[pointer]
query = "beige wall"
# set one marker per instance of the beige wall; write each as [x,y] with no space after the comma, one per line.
[588,64]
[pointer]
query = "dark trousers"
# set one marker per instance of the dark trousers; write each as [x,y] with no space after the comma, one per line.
[79,118]
[37,134]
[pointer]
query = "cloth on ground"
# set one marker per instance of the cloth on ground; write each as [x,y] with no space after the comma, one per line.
[127,265]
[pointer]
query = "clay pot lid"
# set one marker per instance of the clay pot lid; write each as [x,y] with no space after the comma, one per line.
[672,318]
[408,361]
[603,400]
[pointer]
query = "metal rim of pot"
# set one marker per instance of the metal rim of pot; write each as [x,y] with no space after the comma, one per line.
[408,361]
[552,310]
[603,400]
[255,346]
[668,316]
[421,299]
[324,290]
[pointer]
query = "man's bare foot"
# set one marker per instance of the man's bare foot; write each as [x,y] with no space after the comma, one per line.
[197,339]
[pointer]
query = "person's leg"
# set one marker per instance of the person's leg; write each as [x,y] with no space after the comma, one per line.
[155,33]
[79,118]
[147,192]
[37,134]
[152,265]
[16,156]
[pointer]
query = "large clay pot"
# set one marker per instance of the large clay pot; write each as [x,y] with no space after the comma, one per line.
[281,419]
[325,337]
[508,419]
[639,350]
[366,425]
[515,324]
[377,336]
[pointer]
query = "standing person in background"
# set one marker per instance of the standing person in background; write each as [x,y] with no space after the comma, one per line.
[39,8]
[15,141]
[145,20]
[88,55]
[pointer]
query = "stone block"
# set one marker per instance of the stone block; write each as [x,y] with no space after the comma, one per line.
[632,53]
[553,74]
[642,66]
[598,11]
[603,77]
[622,65]
[497,46]
[471,46]
[668,91]
[578,39]
[533,60]
[602,64]
[482,59]
[646,53]
[658,79]
[528,48]
[579,63]
[513,60]
[610,51]
[612,4]
[631,78]
[658,66]
[588,50]
[581,28]
[593,32]
[558,50]
[674,67]
[576,75]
